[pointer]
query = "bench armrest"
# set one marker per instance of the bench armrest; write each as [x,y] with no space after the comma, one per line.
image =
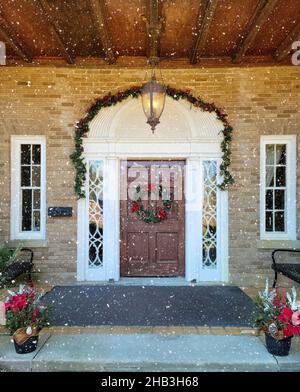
[31,253]
[282,250]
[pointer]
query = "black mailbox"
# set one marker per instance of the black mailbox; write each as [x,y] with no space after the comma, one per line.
[59,211]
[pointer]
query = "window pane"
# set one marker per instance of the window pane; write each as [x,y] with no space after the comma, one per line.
[36,175]
[209,215]
[280,176]
[36,221]
[269,199]
[279,221]
[279,199]
[36,199]
[270,176]
[26,209]
[281,154]
[25,176]
[270,148]
[269,221]
[25,154]
[95,214]
[36,154]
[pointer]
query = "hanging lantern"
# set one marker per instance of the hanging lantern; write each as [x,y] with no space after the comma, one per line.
[153,100]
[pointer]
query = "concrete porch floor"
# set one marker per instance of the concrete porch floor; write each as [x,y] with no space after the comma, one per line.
[147,352]
[147,349]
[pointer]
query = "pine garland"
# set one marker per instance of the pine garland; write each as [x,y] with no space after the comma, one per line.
[82,128]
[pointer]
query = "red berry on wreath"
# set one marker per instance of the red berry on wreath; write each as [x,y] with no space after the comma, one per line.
[135,206]
[161,213]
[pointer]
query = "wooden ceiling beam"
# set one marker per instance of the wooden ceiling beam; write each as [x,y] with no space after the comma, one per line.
[98,12]
[203,23]
[256,21]
[17,47]
[46,8]
[285,47]
[154,24]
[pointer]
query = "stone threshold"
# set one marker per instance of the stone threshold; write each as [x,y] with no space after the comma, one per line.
[145,330]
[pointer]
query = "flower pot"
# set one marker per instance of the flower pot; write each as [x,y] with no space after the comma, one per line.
[28,346]
[277,347]
[26,343]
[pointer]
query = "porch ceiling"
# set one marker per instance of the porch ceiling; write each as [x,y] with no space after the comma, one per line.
[198,32]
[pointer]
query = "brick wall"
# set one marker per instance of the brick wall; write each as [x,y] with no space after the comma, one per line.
[49,100]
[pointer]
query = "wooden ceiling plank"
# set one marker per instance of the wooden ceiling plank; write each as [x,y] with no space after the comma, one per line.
[256,21]
[98,12]
[8,37]
[204,22]
[45,6]
[285,47]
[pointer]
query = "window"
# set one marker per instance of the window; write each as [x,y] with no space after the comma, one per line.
[278,187]
[28,187]
[209,215]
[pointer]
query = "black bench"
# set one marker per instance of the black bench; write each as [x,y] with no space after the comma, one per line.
[23,264]
[290,270]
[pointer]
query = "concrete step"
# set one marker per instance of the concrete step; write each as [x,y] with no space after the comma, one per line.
[145,352]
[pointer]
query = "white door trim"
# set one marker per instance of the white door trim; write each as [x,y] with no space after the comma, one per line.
[111,209]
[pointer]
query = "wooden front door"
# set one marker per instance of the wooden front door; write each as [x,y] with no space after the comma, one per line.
[152,249]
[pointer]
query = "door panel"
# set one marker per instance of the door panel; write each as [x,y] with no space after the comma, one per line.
[153,249]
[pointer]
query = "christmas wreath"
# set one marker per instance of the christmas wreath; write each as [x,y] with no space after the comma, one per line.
[154,214]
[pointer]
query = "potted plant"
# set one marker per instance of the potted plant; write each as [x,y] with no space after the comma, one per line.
[278,316]
[25,317]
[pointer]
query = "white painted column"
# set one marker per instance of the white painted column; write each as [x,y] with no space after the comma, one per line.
[81,239]
[82,232]
[111,215]
[193,219]
[222,235]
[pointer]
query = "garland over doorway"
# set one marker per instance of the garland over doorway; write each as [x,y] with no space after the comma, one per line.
[82,129]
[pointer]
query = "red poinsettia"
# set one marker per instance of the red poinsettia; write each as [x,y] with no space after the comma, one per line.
[286,315]
[296,318]
[16,302]
[291,330]
[161,213]
[135,206]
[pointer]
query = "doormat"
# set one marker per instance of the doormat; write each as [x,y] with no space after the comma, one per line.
[112,305]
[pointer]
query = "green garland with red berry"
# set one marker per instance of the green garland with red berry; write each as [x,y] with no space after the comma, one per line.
[153,214]
[82,129]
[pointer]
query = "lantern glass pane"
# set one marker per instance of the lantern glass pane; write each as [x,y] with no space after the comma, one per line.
[153,99]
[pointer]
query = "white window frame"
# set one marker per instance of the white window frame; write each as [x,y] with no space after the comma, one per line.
[290,205]
[16,204]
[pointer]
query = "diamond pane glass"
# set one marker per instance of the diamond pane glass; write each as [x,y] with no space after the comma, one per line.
[95,214]
[209,215]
